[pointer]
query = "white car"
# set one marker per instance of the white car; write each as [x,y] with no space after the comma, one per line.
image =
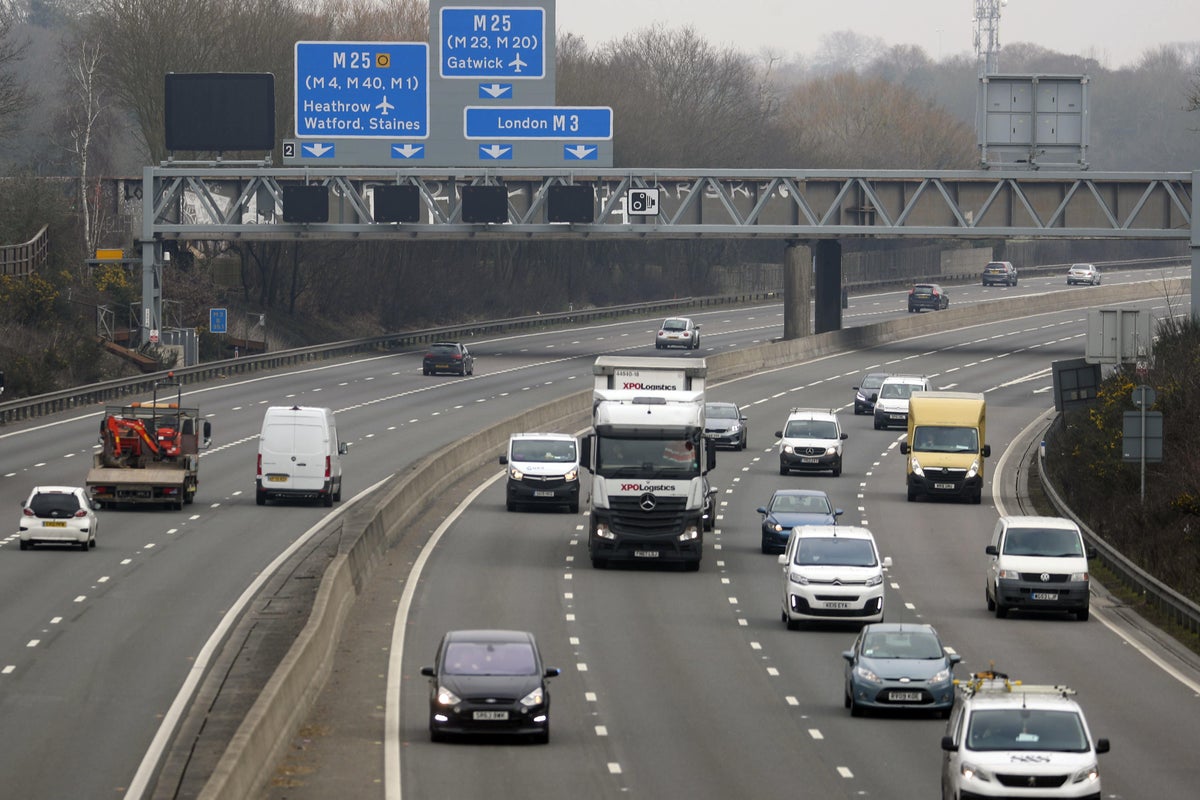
[58,515]
[811,441]
[677,332]
[891,401]
[1083,273]
[834,573]
[1009,739]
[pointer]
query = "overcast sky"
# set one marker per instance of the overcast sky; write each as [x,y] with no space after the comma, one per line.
[1114,32]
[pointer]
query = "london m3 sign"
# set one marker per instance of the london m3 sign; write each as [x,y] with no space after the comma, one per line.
[362,90]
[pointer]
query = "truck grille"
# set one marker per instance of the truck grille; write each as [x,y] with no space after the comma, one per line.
[628,516]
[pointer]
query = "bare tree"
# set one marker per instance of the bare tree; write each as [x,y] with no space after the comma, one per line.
[14,96]
[848,50]
[84,104]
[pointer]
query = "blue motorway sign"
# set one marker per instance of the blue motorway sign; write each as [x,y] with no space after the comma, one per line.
[218,320]
[493,42]
[538,122]
[358,90]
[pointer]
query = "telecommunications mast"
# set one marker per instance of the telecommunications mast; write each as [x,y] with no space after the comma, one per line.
[987,35]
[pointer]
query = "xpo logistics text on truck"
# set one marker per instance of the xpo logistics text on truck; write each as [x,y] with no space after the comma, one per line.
[946,445]
[649,461]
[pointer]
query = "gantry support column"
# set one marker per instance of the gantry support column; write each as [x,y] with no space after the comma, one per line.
[827,294]
[1195,248]
[797,287]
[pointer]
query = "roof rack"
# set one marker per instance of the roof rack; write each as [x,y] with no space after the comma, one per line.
[801,409]
[993,682]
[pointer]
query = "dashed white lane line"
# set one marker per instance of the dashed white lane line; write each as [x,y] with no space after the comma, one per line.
[602,730]
[845,772]
[33,643]
[792,700]
[816,734]
[81,598]
[614,768]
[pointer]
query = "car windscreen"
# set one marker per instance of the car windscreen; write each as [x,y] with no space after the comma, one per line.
[835,552]
[810,429]
[54,504]
[1046,542]
[800,504]
[895,391]
[945,439]
[902,644]
[489,658]
[1026,729]
[872,382]
[551,451]
[721,411]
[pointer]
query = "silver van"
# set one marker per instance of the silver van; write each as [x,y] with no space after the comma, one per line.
[543,469]
[299,456]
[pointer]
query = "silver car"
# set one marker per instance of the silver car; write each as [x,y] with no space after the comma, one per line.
[58,515]
[1083,273]
[677,332]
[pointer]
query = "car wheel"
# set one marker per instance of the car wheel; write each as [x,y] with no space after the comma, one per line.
[783,470]
[691,566]
[912,495]
[574,507]
[92,542]
[435,735]
[977,498]
[991,604]
[84,545]
[856,709]
[837,471]
[599,563]
[878,426]
[542,737]
[26,545]
[1083,615]
[846,698]
[744,444]
[766,548]
[327,500]
[1001,610]
[260,498]
[1097,281]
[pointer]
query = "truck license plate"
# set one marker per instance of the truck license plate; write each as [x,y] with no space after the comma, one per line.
[943,486]
[491,715]
[543,493]
[904,697]
[1045,595]
[645,554]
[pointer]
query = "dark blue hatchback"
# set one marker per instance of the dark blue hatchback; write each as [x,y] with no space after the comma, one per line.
[792,508]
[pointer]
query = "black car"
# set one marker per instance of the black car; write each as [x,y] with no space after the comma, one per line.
[449,357]
[927,295]
[864,393]
[1000,272]
[489,682]
[725,425]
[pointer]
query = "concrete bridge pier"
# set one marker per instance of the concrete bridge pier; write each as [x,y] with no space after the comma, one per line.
[812,272]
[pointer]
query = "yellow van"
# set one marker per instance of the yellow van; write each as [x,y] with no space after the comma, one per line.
[946,445]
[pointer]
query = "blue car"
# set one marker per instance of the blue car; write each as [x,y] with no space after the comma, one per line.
[792,508]
[899,665]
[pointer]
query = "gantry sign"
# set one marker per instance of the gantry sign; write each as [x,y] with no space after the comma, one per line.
[481,92]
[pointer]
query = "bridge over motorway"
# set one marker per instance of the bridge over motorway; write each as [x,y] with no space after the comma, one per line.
[809,210]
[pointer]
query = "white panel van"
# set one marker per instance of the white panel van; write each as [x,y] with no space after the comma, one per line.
[299,456]
[543,468]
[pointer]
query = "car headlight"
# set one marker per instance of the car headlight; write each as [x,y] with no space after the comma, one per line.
[875,580]
[516,474]
[1090,774]
[534,698]
[831,451]
[942,676]
[787,448]
[573,475]
[735,427]
[445,697]
[916,468]
[1008,575]
[866,674]
[970,772]
[691,533]
[798,578]
[974,470]
[1079,577]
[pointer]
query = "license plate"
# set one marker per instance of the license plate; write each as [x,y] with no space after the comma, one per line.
[837,604]
[490,715]
[896,416]
[277,478]
[645,554]
[943,486]
[807,460]
[543,493]
[1045,595]
[54,523]
[904,697]
[441,366]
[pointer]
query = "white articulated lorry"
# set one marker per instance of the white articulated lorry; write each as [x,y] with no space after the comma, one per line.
[649,460]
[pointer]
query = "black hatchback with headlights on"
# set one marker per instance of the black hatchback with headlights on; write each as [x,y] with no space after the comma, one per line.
[489,682]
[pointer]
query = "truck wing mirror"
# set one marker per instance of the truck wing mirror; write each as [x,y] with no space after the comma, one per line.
[904,448]
[207,433]
[503,459]
[986,452]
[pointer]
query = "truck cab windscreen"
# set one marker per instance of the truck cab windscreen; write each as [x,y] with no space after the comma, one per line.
[647,458]
[945,439]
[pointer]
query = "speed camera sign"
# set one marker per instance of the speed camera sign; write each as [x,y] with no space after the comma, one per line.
[642,201]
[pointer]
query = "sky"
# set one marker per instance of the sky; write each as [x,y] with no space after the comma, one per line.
[1101,29]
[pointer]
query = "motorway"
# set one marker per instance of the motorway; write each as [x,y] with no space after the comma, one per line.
[673,684]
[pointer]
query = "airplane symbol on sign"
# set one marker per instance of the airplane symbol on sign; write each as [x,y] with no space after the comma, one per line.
[517,63]
[384,106]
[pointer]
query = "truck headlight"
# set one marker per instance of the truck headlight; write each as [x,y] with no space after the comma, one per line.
[970,772]
[571,476]
[690,533]
[1079,577]
[516,474]
[603,532]
[974,470]
[916,468]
